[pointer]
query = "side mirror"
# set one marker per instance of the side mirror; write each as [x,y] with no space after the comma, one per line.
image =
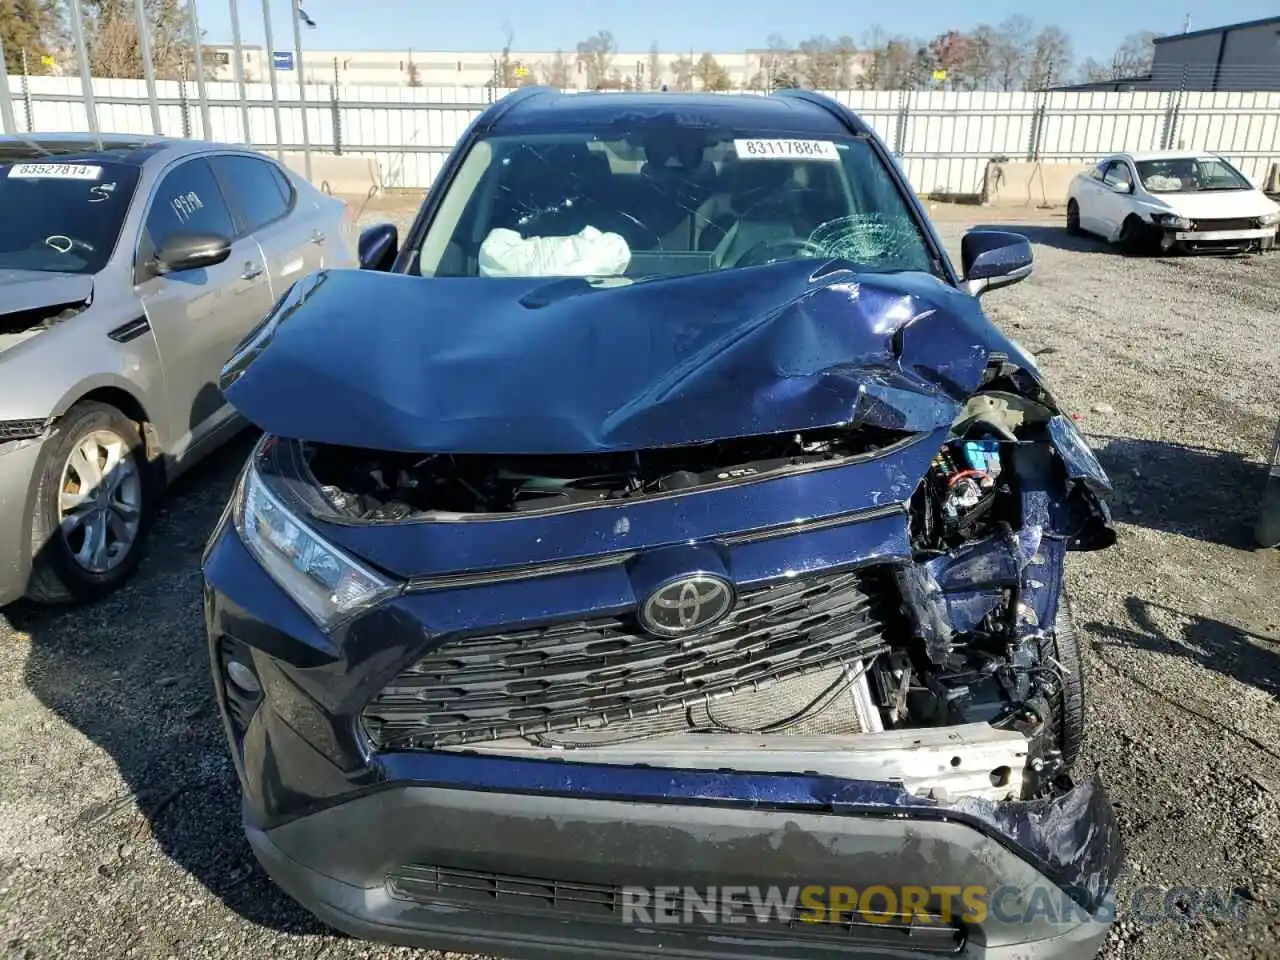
[191,251]
[994,258]
[377,247]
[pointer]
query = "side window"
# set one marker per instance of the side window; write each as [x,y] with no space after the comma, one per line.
[1117,174]
[188,200]
[255,189]
[286,187]
[1099,170]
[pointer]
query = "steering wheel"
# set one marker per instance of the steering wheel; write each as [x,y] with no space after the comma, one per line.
[64,244]
[771,251]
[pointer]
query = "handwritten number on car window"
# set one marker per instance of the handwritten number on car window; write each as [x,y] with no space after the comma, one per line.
[186,205]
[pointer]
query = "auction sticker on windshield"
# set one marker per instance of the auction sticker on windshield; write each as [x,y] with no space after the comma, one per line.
[785,150]
[55,171]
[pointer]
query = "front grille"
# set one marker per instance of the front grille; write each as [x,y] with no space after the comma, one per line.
[20,429]
[926,931]
[588,674]
[1230,223]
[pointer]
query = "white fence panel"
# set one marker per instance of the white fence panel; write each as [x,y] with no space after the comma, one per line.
[944,138]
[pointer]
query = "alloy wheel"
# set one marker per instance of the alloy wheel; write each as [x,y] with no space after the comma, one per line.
[100,501]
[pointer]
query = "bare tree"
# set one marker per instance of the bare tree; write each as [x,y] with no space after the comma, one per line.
[596,56]
[1012,50]
[1095,71]
[507,74]
[980,67]
[780,66]
[712,75]
[655,67]
[1051,58]
[683,69]
[1135,54]
[818,63]
[899,64]
[558,74]
[114,49]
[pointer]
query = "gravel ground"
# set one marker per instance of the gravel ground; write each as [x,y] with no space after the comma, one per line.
[119,831]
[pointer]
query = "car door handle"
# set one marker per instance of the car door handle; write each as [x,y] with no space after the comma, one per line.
[251,271]
[318,236]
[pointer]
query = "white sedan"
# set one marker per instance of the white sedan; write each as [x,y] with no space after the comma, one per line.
[1164,200]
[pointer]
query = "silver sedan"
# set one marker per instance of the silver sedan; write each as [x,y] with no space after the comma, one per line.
[130,268]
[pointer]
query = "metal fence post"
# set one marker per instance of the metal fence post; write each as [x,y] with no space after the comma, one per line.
[295,16]
[148,67]
[238,70]
[900,129]
[82,59]
[1037,127]
[197,44]
[184,104]
[27,106]
[337,118]
[6,104]
[275,84]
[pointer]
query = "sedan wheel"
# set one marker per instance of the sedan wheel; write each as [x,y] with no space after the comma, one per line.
[100,501]
[93,506]
[1073,219]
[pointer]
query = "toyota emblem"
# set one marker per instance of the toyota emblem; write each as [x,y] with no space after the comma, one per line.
[686,605]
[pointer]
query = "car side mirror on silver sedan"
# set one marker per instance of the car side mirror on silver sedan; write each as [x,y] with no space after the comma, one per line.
[994,258]
[377,246]
[191,251]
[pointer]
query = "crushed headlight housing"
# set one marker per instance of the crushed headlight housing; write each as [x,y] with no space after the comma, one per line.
[1174,221]
[326,582]
[1270,219]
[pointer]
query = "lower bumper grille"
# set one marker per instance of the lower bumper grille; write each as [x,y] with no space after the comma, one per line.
[924,932]
[586,675]
[1228,223]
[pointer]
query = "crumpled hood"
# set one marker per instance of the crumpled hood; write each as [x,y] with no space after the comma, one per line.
[1217,204]
[22,290]
[538,365]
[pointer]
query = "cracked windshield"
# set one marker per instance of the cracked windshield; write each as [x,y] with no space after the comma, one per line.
[667,200]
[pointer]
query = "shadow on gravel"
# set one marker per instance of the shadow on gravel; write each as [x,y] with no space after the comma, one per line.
[1051,235]
[131,673]
[1210,495]
[1244,657]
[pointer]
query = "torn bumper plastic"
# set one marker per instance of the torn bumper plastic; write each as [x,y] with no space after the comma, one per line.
[535,859]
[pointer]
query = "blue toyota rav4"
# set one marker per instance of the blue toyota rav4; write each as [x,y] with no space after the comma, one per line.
[659,532]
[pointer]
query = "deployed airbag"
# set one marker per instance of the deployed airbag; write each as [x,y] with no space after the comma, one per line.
[589,253]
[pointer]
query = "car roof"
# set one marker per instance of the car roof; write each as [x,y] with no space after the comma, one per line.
[1139,155]
[549,111]
[127,149]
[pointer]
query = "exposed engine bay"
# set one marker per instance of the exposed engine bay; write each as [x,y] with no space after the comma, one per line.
[958,670]
[375,486]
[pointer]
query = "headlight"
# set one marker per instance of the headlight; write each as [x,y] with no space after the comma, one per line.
[1174,221]
[326,582]
[1269,219]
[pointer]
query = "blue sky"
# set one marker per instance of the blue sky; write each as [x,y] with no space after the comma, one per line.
[677,25]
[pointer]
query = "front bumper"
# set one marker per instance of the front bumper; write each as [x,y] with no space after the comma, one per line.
[371,867]
[19,461]
[350,832]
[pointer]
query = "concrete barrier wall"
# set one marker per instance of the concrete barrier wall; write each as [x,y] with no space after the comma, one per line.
[1030,184]
[338,174]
